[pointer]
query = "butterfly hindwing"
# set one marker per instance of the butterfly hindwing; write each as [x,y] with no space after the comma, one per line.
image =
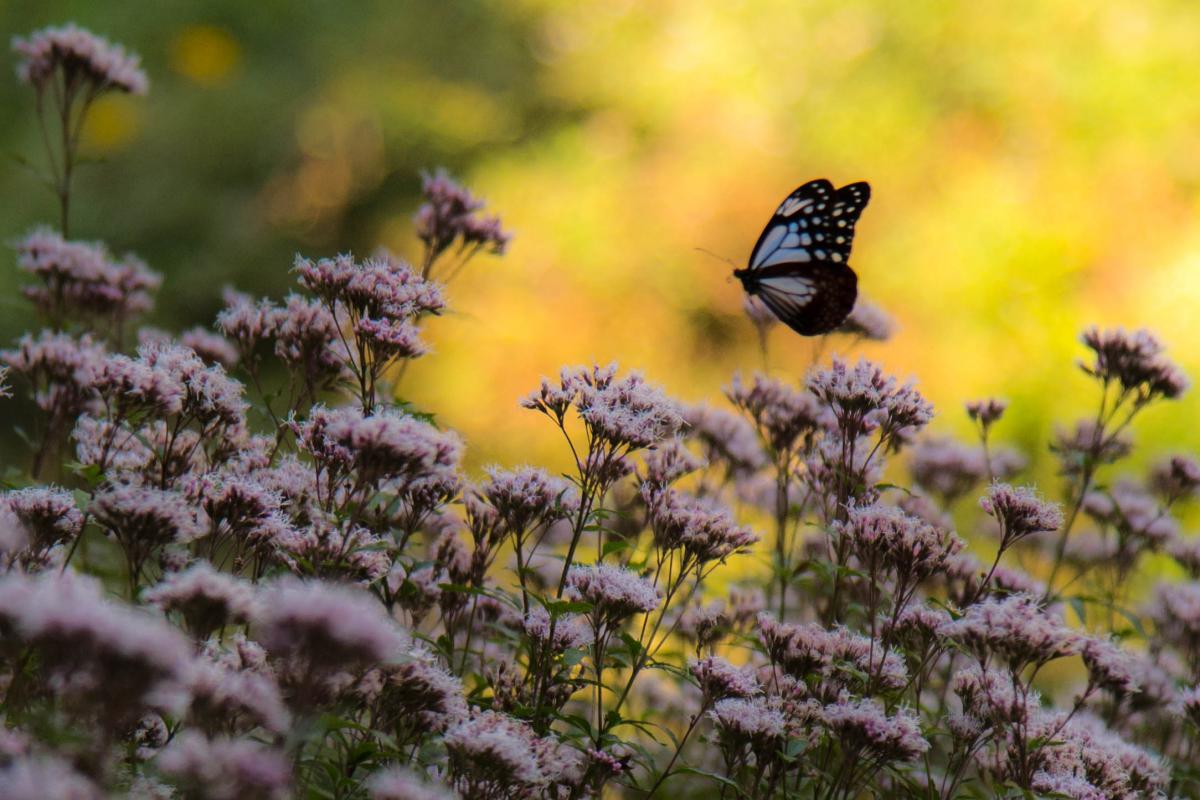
[810,298]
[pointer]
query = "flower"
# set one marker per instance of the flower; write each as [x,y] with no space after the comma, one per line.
[1133,360]
[104,654]
[1138,519]
[81,279]
[418,692]
[883,535]
[725,438]
[987,411]
[869,321]
[1109,666]
[946,468]
[703,530]
[781,415]
[63,370]
[451,214]
[1020,512]
[234,696]
[862,395]
[568,630]
[1088,444]
[1014,629]
[206,598]
[1176,477]
[718,679]
[668,462]
[325,624]
[142,518]
[212,347]
[48,516]
[400,783]
[806,650]
[226,769]
[385,446]
[752,722]
[492,749]
[526,498]
[862,726]
[614,592]
[626,412]
[45,778]
[81,56]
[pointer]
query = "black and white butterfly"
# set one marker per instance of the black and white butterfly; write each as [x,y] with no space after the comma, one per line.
[799,268]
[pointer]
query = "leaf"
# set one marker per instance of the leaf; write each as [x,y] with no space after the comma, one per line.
[686,769]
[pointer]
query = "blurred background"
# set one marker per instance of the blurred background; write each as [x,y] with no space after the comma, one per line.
[1035,166]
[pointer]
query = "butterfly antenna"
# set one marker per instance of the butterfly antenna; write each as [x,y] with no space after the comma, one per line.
[717,257]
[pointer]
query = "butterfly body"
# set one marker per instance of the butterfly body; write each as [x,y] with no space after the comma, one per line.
[798,267]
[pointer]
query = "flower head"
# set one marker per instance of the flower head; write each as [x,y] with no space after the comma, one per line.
[1133,360]
[226,769]
[615,593]
[81,57]
[1020,512]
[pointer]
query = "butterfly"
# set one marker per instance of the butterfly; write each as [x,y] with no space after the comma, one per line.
[798,267]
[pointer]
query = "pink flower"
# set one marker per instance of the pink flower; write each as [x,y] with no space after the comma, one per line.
[1134,361]
[226,769]
[703,530]
[568,630]
[527,497]
[986,412]
[48,516]
[82,279]
[725,438]
[385,446]
[624,414]
[1020,512]
[885,536]
[63,370]
[854,393]
[615,593]
[752,722]
[1109,666]
[782,415]
[451,214]
[862,726]
[492,749]
[400,783]
[947,468]
[108,655]
[207,599]
[228,698]
[718,679]
[45,778]
[419,695]
[326,624]
[81,56]
[212,347]
[1014,629]
[869,321]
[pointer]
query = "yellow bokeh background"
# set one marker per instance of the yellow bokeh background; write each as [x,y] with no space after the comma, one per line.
[1034,166]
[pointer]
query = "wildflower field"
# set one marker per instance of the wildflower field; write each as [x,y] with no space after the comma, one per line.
[250,560]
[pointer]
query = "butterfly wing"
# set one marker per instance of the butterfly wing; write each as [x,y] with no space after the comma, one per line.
[813,223]
[812,298]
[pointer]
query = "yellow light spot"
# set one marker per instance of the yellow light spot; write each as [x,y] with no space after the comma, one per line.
[112,122]
[205,54]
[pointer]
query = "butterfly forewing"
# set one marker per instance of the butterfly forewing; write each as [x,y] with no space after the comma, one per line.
[814,223]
